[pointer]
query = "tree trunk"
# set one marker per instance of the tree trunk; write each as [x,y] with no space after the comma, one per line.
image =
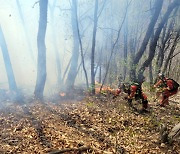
[158,7]
[80,42]
[113,46]
[171,51]
[165,43]
[58,63]
[153,43]
[132,55]
[93,47]
[41,67]
[99,61]
[100,69]
[160,57]
[125,48]
[65,72]
[150,74]
[7,62]
[75,51]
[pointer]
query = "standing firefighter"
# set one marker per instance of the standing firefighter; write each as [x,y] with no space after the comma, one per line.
[134,90]
[169,88]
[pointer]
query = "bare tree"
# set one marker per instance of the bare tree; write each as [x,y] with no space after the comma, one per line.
[158,6]
[96,17]
[171,51]
[114,44]
[75,51]
[165,41]
[58,62]
[80,42]
[125,46]
[7,62]
[154,41]
[93,46]
[41,67]
[150,65]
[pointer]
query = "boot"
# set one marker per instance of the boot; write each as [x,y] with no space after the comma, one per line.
[164,102]
[130,101]
[144,106]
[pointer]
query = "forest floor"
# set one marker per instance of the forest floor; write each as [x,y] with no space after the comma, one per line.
[92,124]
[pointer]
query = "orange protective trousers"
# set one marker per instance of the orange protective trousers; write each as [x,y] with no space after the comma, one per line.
[165,96]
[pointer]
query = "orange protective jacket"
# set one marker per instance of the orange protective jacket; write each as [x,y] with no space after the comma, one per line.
[133,90]
[168,83]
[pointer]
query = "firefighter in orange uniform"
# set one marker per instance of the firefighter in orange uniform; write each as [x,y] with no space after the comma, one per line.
[135,91]
[169,88]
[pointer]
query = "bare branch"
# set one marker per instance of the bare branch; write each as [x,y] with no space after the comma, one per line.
[112,50]
[174,55]
[35,3]
[101,9]
[108,28]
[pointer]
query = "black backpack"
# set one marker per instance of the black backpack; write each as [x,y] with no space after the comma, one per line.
[175,84]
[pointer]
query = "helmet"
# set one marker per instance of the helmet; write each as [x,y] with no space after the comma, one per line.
[161,76]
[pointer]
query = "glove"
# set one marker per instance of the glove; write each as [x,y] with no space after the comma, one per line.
[164,89]
[118,91]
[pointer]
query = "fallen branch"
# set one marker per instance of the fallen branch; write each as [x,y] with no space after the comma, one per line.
[70,149]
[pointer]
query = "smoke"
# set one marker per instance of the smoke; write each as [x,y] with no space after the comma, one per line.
[21,37]
[24,65]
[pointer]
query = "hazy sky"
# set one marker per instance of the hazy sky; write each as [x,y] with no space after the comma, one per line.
[23,65]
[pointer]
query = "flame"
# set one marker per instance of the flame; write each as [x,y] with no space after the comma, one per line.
[106,89]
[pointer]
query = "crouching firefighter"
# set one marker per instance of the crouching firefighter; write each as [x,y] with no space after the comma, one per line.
[135,91]
[169,88]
